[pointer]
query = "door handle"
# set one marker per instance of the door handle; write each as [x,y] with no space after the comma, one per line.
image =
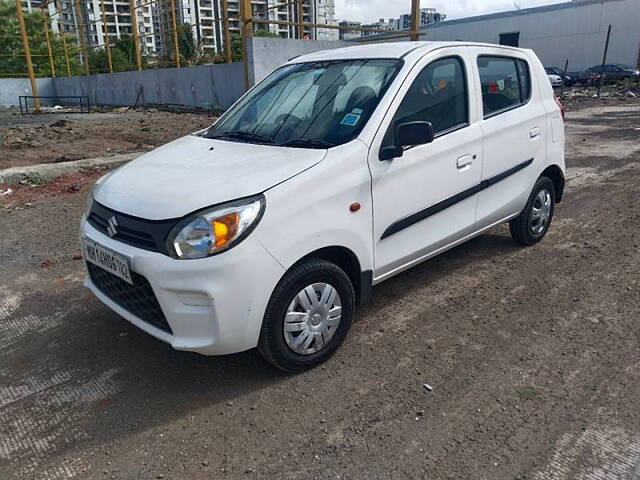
[534,133]
[464,161]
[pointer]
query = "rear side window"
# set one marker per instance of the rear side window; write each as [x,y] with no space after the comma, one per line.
[437,95]
[506,83]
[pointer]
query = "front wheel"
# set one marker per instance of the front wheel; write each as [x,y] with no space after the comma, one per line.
[533,222]
[308,316]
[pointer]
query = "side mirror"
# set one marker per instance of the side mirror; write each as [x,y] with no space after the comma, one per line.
[408,134]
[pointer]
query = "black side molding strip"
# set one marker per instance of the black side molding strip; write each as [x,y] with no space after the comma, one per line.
[501,176]
[448,202]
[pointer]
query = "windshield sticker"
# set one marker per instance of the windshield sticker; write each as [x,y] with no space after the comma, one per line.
[350,119]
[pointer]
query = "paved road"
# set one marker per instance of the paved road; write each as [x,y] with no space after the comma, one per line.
[533,354]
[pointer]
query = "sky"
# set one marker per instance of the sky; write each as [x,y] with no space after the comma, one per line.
[369,11]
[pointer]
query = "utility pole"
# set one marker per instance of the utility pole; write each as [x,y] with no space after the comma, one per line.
[27,54]
[246,28]
[106,36]
[300,6]
[81,39]
[415,20]
[45,21]
[604,59]
[227,33]
[135,33]
[176,49]
[64,44]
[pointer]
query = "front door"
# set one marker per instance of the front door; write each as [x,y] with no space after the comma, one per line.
[426,199]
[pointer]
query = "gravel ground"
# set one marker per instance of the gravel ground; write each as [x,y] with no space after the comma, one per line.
[60,137]
[533,355]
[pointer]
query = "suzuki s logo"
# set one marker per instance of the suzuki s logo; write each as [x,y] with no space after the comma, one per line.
[112,225]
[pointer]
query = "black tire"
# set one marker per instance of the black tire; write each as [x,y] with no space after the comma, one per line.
[521,227]
[272,344]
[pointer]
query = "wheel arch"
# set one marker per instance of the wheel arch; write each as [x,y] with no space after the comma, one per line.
[347,260]
[554,173]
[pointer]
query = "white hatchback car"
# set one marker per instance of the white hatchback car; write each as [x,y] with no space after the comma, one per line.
[338,171]
[555,80]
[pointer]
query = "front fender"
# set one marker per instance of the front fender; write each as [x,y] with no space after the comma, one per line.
[312,210]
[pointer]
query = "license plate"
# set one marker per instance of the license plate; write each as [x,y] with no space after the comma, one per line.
[107,259]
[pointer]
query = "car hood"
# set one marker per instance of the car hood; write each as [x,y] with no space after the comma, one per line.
[195,172]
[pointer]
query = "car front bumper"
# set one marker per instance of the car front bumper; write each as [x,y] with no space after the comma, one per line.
[213,306]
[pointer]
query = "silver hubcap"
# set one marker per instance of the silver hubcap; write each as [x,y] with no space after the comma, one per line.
[312,318]
[541,212]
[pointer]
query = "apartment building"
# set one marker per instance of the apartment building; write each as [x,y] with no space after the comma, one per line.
[345,33]
[320,12]
[427,17]
[117,21]
[204,17]
[31,5]
[381,24]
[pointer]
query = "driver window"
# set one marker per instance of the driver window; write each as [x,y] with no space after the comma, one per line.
[437,95]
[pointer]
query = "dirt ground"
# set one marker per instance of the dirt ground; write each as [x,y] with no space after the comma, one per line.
[59,137]
[533,355]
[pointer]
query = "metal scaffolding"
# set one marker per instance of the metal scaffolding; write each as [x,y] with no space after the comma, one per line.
[70,44]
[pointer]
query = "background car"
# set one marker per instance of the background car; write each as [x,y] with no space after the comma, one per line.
[613,72]
[569,80]
[556,80]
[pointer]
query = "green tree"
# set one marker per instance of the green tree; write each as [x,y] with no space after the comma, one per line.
[13,61]
[266,33]
[236,43]
[127,47]
[99,62]
[190,51]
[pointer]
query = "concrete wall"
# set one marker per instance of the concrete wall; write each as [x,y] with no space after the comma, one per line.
[216,85]
[267,54]
[575,30]
[12,88]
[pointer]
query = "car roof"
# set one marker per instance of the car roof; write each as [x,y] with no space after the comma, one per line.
[383,50]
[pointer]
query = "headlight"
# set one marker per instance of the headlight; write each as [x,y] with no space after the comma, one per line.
[96,187]
[216,229]
[92,192]
[90,198]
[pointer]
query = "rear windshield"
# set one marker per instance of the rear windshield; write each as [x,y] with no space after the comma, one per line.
[312,105]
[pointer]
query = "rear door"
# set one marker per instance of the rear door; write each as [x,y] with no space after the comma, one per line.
[427,197]
[514,129]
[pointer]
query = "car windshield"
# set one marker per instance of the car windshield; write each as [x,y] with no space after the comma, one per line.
[623,66]
[309,105]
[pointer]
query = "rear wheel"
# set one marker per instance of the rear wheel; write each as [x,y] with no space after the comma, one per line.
[533,222]
[308,316]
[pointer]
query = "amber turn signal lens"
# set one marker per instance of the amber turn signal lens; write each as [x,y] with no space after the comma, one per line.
[354,207]
[225,228]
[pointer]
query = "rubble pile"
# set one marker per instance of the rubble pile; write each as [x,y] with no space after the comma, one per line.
[621,91]
[23,136]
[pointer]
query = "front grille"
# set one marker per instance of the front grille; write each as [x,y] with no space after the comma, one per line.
[137,299]
[125,235]
[134,231]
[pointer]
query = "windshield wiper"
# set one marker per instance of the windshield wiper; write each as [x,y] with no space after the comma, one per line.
[240,135]
[307,143]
